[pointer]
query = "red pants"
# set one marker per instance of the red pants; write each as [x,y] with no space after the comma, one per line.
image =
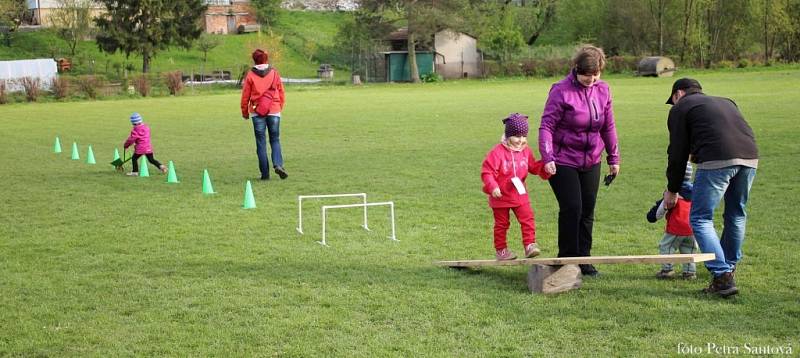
[527,223]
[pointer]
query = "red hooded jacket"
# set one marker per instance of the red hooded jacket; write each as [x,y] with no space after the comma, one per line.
[258,82]
[498,169]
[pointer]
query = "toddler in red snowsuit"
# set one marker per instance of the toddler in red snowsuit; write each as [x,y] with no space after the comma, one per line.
[503,174]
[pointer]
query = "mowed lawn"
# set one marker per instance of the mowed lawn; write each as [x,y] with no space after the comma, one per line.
[96,263]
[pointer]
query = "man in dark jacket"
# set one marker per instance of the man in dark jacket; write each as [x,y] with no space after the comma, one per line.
[721,143]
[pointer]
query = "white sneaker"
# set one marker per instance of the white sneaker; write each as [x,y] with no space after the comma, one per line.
[133,174]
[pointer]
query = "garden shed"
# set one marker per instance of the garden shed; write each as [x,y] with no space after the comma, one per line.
[656,66]
[12,72]
[449,53]
[397,65]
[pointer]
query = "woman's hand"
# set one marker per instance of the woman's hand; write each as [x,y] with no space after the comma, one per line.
[613,169]
[550,168]
[496,193]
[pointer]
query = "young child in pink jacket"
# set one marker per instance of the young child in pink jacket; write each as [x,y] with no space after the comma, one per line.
[503,174]
[140,139]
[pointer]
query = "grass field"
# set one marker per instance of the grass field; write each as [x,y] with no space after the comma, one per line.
[96,263]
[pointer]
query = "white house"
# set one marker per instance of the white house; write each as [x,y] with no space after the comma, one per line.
[457,55]
[41,10]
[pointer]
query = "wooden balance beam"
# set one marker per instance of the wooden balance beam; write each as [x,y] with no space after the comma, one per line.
[559,274]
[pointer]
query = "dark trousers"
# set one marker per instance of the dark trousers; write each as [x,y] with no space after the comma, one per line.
[576,193]
[150,158]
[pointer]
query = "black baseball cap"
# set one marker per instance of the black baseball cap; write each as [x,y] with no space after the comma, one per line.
[682,84]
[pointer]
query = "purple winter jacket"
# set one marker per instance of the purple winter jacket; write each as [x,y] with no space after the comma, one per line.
[577,123]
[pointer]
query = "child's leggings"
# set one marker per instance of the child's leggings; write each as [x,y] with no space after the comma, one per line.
[683,244]
[150,158]
[524,215]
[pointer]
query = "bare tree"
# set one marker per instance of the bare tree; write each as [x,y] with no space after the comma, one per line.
[532,16]
[658,10]
[688,10]
[73,21]
[775,22]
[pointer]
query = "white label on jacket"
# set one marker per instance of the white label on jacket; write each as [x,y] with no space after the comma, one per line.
[518,184]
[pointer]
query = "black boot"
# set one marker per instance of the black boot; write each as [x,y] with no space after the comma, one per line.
[588,270]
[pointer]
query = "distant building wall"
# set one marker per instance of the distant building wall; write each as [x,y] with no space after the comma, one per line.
[222,16]
[42,11]
[457,55]
[225,19]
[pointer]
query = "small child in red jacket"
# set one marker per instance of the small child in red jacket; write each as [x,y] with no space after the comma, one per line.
[503,174]
[678,235]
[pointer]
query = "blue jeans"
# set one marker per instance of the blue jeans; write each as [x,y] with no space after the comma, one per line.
[710,186]
[261,127]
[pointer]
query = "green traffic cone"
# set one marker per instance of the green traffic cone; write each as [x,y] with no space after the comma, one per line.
[172,177]
[90,156]
[207,187]
[57,146]
[249,199]
[116,154]
[143,171]
[75,155]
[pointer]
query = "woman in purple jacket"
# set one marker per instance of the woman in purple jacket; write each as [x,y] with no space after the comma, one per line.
[577,124]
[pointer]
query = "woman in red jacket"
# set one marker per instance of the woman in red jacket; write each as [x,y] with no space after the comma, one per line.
[263,98]
[503,174]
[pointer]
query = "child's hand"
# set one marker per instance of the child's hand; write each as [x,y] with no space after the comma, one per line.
[496,193]
[550,168]
[670,199]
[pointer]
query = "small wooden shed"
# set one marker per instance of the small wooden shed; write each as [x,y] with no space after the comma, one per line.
[656,66]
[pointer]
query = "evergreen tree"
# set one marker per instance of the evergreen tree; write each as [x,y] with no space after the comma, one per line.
[146,26]
[267,11]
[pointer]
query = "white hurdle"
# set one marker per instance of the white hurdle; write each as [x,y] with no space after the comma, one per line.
[365,205]
[300,207]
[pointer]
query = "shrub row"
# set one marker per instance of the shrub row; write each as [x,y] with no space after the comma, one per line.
[554,67]
[90,86]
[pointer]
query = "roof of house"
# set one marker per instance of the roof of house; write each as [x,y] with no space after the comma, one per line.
[402,34]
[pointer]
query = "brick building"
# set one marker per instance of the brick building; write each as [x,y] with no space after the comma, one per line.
[226,16]
[221,17]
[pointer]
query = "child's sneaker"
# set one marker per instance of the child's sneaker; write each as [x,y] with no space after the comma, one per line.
[688,275]
[505,254]
[665,274]
[532,250]
[163,169]
[132,174]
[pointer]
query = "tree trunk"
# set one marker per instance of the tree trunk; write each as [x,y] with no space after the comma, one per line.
[687,15]
[657,9]
[412,58]
[766,31]
[661,5]
[146,62]
[549,10]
